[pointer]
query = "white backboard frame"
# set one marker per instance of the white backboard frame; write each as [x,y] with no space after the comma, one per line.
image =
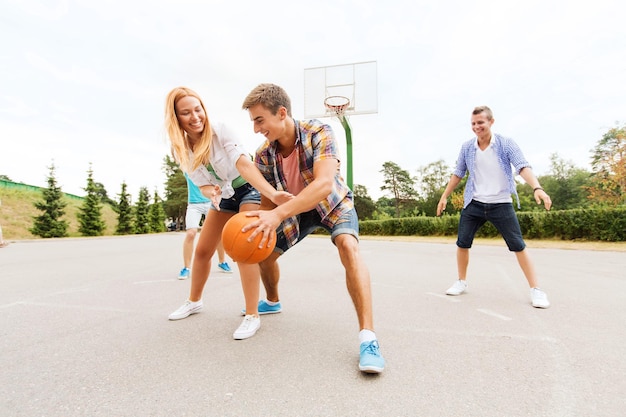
[356,81]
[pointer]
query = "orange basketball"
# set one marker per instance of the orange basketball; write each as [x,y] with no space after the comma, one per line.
[236,243]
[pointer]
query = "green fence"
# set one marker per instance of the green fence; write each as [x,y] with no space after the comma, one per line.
[26,187]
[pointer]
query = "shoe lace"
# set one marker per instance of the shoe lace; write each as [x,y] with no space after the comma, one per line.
[371,348]
[247,322]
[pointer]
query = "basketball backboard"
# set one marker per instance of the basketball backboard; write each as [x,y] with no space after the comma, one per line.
[357,82]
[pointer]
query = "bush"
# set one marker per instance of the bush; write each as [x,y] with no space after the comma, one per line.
[606,224]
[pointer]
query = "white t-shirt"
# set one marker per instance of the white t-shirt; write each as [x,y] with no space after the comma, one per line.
[226,149]
[491,182]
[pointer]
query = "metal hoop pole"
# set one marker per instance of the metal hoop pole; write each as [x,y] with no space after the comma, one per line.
[339,110]
[346,126]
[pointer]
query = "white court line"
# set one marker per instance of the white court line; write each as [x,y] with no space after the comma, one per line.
[154,281]
[31,300]
[71,306]
[485,335]
[493,314]
[16,303]
[158,280]
[445,297]
[381,284]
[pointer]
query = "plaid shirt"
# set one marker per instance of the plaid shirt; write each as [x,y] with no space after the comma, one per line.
[508,154]
[315,141]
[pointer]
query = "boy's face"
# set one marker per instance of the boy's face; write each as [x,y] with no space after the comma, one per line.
[481,125]
[270,125]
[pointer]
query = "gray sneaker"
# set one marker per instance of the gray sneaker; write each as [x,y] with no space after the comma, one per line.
[458,288]
[539,298]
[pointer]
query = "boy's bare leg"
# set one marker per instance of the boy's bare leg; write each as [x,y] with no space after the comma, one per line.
[527,267]
[357,279]
[462,261]
[270,275]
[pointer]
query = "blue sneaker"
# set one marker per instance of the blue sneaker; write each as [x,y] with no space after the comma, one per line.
[184,273]
[371,361]
[265,308]
[224,267]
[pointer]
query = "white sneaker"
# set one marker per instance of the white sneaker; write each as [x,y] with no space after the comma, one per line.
[458,288]
[247,328]
[539,298]
[186,310]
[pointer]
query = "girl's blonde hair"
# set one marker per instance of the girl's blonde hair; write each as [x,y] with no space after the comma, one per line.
[179,140]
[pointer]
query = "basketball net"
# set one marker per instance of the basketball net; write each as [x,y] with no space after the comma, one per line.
[337,105]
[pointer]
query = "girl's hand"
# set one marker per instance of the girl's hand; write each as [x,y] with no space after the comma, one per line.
[213,193]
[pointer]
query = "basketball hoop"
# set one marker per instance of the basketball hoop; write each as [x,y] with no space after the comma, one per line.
[337,104]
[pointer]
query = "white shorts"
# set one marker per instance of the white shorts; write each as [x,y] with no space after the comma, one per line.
[194,214]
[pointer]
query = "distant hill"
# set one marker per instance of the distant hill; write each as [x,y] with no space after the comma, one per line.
[18,209]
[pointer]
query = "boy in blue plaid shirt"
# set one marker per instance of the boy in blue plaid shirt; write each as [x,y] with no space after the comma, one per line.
[487,197]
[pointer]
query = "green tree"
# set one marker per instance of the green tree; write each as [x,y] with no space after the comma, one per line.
[608,162]
[175,204]
[385,209]
[124,212]
[431,182]
[363,203]
[5,178]
[157,215]
[49,223]
[400,185]
[142,212]
[566,185]
[90,214]
[101,192]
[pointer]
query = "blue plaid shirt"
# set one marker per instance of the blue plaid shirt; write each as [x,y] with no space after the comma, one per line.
[508,154]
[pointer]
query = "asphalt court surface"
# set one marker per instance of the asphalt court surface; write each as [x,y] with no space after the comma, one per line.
[85,333]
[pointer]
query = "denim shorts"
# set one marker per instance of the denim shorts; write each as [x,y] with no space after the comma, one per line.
[501,215]
[246,194]
[348,223]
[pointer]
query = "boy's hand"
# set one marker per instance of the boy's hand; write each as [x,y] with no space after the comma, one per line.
[540,196]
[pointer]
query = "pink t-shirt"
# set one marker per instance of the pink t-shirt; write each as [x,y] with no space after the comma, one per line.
[291,171]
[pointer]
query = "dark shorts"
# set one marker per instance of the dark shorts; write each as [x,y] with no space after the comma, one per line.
[243,195]
[311,220]
[501,215]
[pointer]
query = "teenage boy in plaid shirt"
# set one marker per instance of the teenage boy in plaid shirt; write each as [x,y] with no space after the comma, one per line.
[301,157]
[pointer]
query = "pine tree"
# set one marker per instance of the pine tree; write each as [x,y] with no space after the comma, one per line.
[90,214]
[157,215]
[142,209]
[399,183]
[49,224]
[175,204]
[124,212]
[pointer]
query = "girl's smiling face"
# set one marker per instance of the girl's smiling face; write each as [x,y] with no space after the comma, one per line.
[190,115]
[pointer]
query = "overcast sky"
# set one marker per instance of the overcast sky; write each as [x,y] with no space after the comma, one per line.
[85,81]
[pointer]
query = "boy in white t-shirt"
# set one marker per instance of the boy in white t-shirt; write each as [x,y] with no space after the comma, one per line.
[487,197]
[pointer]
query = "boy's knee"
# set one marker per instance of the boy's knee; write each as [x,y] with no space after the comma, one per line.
[346,242]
